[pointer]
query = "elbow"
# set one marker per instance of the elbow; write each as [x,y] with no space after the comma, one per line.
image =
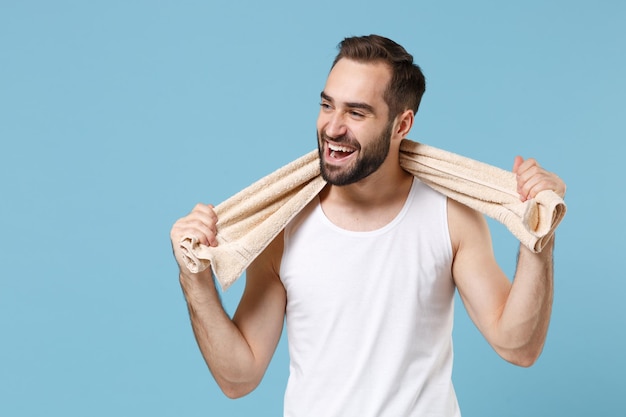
[235,390]
[236,381]
[522,349]
[525,361]
[524,357]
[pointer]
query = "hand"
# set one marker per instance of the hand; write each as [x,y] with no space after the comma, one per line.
[532,178]
[200,223]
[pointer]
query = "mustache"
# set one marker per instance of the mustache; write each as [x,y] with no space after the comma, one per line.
[340,140]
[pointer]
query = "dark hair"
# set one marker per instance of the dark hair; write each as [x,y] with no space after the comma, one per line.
[407,83]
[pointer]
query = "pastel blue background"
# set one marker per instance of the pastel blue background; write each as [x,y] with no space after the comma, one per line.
[116,117]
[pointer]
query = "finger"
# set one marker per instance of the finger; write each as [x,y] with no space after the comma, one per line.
[201,224]
[516,163]
[540,181]
[200,220]
[199,233]
[527,167]
[532,178]
[206,209]
[531,187]
[526,171]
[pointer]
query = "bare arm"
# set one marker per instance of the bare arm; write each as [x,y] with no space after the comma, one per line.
[236,351]
[513,317]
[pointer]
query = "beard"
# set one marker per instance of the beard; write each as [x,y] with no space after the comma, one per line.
[370,157]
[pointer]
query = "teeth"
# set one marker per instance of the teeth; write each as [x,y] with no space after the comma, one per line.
[338,148]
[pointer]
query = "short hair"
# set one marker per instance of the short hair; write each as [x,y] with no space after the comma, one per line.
[407,85]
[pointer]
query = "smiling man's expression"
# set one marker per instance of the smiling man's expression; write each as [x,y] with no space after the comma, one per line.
[353,127]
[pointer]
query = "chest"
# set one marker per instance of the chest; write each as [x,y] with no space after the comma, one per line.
[330,270]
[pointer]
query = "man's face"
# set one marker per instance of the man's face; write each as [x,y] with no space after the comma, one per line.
[353,126]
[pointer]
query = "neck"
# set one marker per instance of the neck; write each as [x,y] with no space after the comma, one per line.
[380,187]
[370,203]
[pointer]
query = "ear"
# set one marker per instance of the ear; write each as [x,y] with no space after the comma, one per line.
[404,123]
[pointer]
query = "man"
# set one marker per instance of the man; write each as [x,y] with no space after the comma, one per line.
[365,275]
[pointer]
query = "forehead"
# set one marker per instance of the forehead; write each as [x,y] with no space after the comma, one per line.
[351,81]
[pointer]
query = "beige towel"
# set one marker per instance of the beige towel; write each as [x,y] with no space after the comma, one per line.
[252,218]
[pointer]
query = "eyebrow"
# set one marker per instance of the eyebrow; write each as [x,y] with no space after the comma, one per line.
[352,105]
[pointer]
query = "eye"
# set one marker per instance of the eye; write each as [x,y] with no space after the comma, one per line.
[356,114]
[325,106]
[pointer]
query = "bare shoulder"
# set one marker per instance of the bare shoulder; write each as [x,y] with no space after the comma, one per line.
[262,305]
[468,227]
[473,256]
[266,266]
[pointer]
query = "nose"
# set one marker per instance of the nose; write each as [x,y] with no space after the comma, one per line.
[333,125]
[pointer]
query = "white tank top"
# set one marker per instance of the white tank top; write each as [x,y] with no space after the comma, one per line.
[369,314]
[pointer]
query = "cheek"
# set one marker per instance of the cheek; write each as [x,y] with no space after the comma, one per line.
[321,121]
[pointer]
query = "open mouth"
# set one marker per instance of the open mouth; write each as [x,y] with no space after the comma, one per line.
[339,152]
